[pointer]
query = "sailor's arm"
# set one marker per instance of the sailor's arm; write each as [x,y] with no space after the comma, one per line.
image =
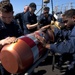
[29,26]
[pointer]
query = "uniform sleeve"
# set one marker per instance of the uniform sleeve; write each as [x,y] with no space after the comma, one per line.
[62,47]
[57,32]
[66,46]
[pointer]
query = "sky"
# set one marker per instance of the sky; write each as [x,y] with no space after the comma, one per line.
[18,5]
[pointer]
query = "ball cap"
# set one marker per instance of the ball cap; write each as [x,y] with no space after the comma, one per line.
[32,5]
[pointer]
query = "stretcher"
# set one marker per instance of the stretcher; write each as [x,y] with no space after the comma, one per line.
[31,69]
[36,64]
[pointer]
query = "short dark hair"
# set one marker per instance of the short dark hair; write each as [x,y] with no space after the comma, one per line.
[46,8]
[32,5]
[6,7]
[69,13]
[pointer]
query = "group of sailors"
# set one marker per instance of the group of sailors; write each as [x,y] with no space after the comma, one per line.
[28,19]
[26,23]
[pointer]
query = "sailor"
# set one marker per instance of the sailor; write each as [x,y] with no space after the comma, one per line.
[8,27]
[45,18]
[64,40]
[30,19]
[20,17]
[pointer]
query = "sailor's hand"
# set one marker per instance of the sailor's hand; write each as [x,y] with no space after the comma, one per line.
[7,40]
[41,39]
[44,28]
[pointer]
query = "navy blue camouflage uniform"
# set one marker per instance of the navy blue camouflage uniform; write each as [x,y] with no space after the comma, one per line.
[65,43]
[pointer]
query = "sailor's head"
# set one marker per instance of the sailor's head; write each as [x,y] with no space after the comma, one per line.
[32,6]
[26,8]
[6,12]
[46,11]
[68,18]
